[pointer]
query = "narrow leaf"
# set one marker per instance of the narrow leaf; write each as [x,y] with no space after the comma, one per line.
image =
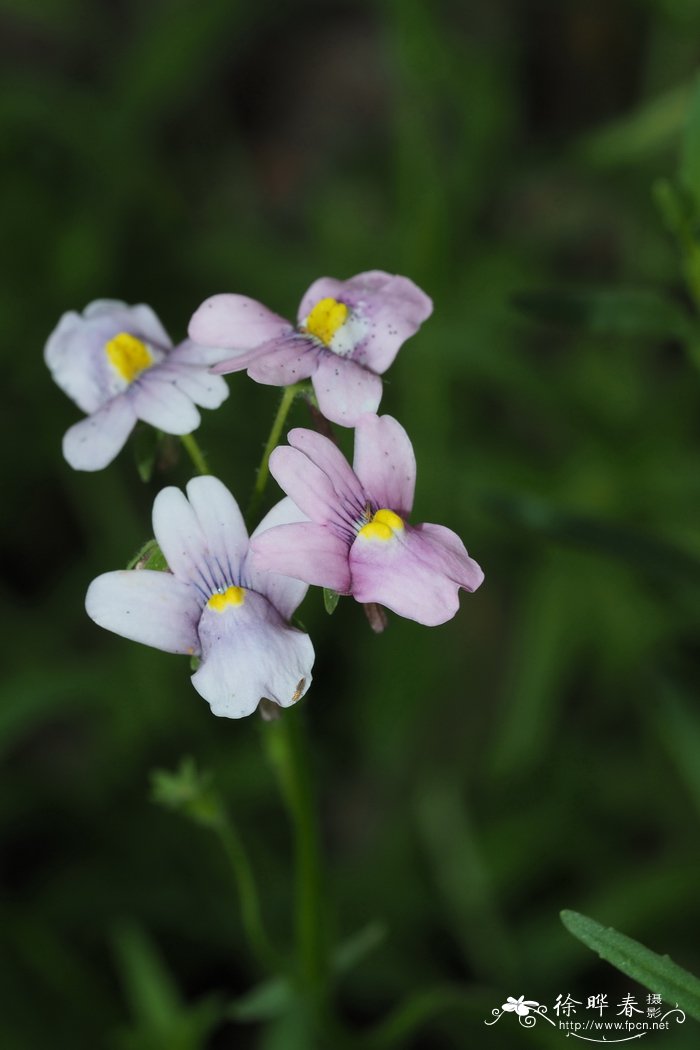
[330,600]
[658,973]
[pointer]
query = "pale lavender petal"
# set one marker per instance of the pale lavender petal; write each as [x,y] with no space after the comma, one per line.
[452,554]
[285,593]
[345,390]
[94,442]
[190,353]
[71,357]
[322,288]
[248,652]
[328,457]
[222,525]
[396,308]
[195,381]
[180,537]
[75,351]
[417,573]
[163,405]
[392,306]
[149,607]
[385,463]
[235,321]
[307,551]
[310,488]
[140,320]
[288,361]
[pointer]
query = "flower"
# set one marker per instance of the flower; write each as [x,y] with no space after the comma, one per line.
[118,364]
[214,603]
[347,335]
[520,1006]
[358,540]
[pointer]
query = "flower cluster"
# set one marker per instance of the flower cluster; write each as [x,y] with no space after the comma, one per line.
[227,600]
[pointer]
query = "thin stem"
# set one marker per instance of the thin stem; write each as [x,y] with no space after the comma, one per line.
[288,396]
[287,748]
[195,453]
[251,915]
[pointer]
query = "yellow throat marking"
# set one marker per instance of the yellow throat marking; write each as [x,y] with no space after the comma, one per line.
[325,319]
[382,526]
[128,356]
[220,602]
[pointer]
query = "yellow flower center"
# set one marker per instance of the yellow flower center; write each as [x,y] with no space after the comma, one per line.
[128,356]
[325,319]
[221,600]
[382,526]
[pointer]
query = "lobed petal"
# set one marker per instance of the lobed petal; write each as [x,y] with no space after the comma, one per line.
[236,322]
[162,404]
[307,551]
[285,361]
[393,306]
[221,523]
[194,381]
[140,320]
[345,390]
[148,607]
[94,442]
[248,653]
[385,463]
[417,573]
[326,455]
[307,485]
[180,537]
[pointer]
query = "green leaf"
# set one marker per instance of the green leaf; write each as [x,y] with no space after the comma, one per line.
[625,312]
[658,973]
[189,792]
[150,556]
[330,600]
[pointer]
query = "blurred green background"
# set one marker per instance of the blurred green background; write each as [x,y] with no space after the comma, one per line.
[540,751]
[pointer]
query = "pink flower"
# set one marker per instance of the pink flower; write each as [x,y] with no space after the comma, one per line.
[358,540]
[347,335]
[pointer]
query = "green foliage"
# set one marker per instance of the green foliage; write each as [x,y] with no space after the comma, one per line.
[658,973]
[544,745]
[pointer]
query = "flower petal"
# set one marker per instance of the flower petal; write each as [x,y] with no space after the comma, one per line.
[250,653]
[94,442]
[70,356]
[417,573]
[163,405]
[222,525]
[385,463]
[180,537]
[288,360]
[285,593]
[194,354]
[307,551]
[328,457]
[149,607]
[308,486]
[140,320]
[195,381]
[345,390]
[393,306]
[235,321]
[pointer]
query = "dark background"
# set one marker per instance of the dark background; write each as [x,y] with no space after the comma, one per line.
[540,751]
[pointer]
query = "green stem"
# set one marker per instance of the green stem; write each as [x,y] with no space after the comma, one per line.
[288,751]
[195,453]
[251,915]
[288,396]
